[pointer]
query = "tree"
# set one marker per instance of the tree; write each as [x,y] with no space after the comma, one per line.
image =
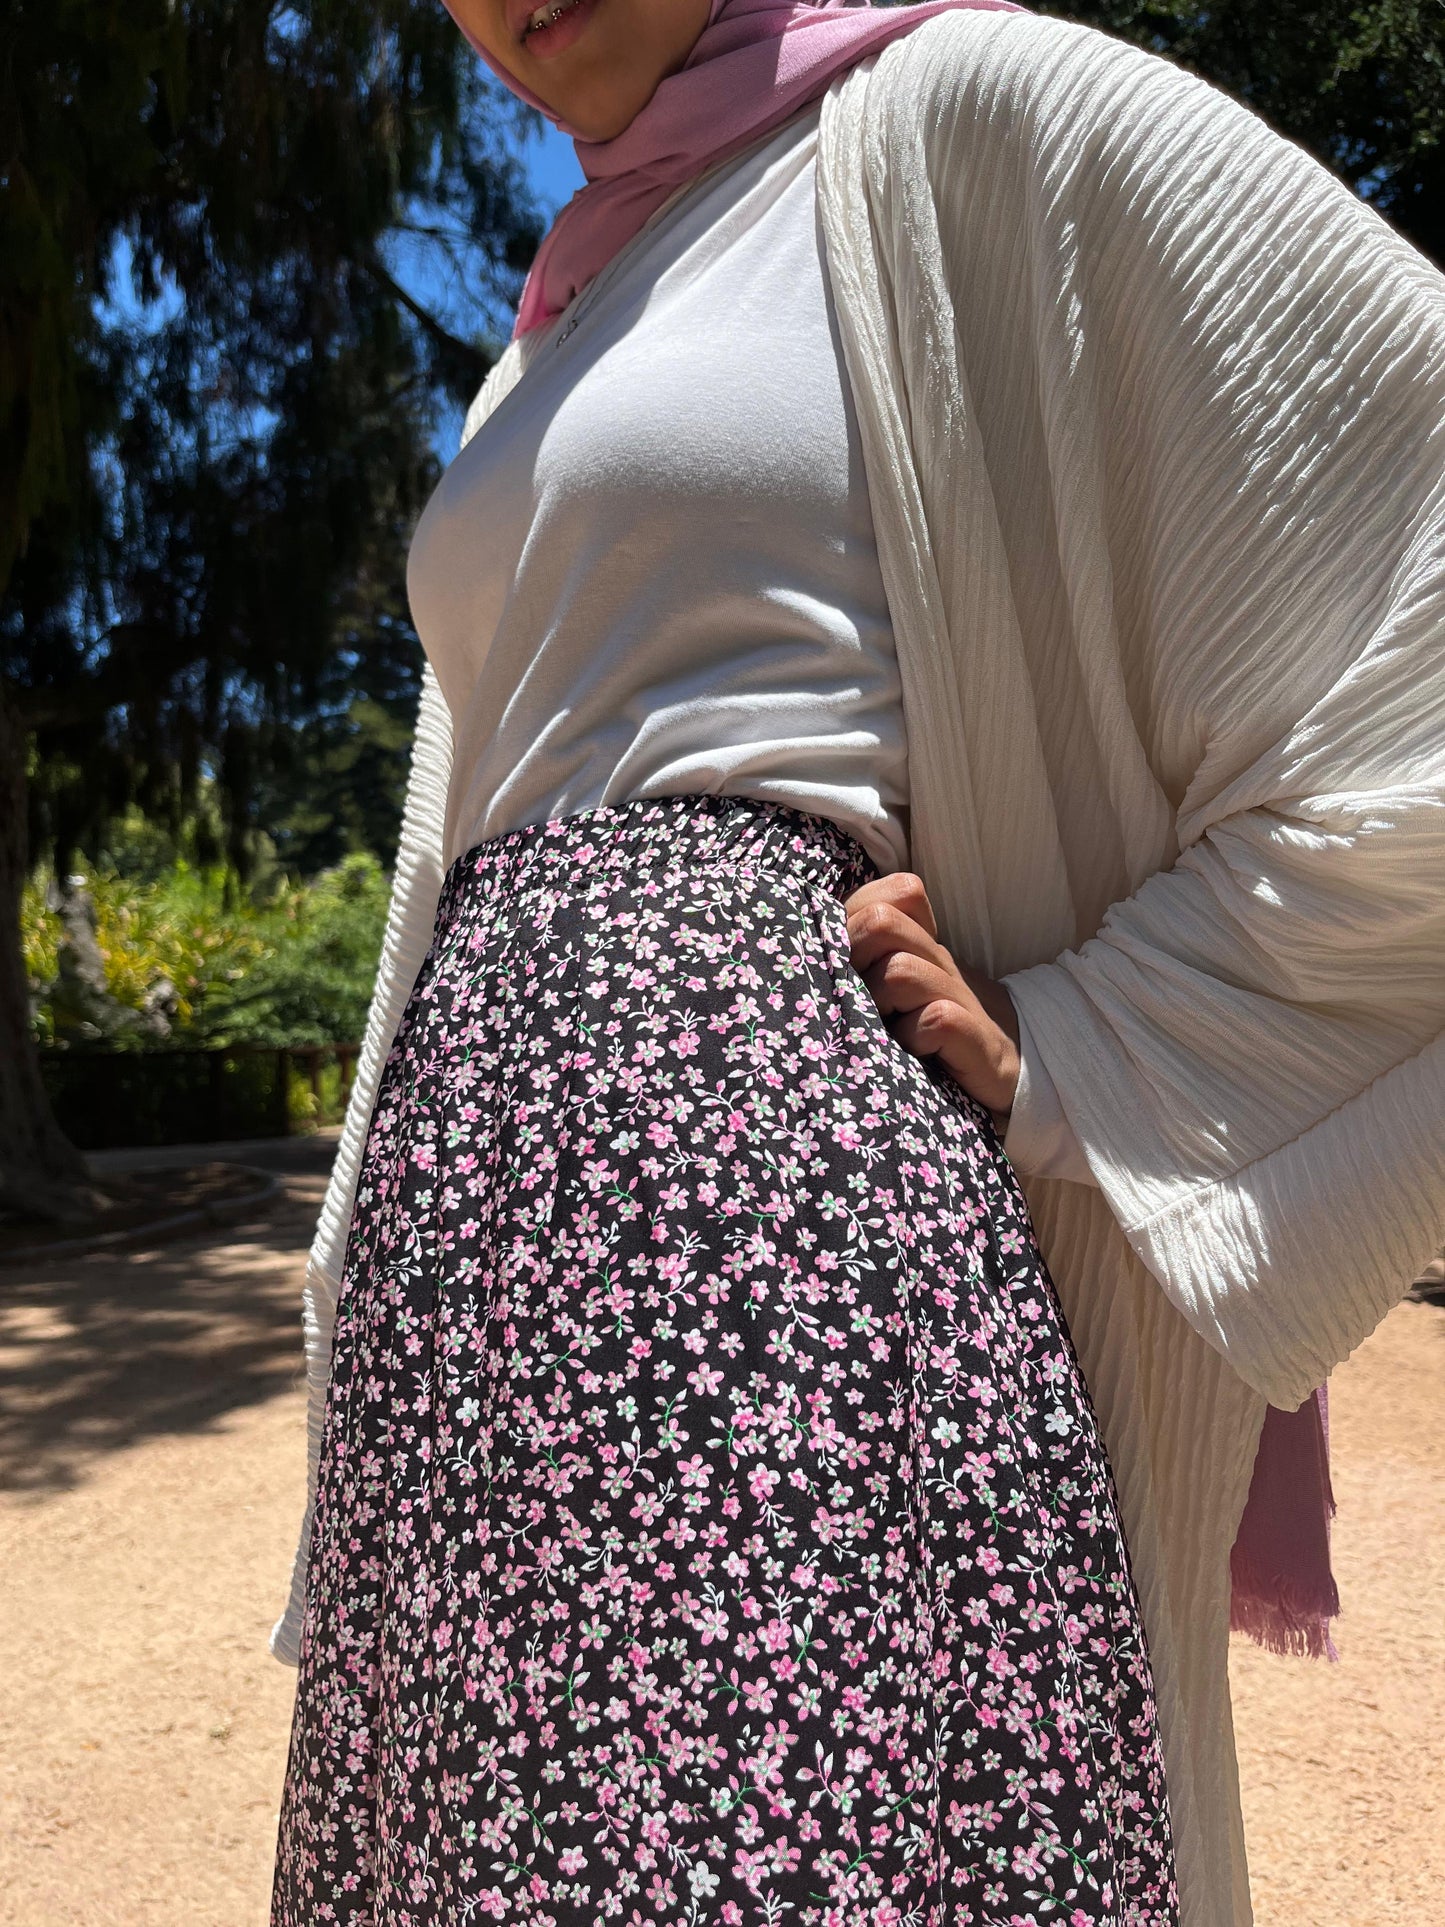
[228,233]
[219,388]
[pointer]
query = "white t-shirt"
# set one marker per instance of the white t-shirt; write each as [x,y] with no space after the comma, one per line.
[653,571]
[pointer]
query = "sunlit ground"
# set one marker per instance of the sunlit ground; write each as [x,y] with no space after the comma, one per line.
[151,1444]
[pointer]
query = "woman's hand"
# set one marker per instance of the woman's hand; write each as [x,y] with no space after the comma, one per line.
[934,1007]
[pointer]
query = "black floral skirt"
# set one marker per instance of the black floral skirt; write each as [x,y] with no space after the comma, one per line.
[712,1524]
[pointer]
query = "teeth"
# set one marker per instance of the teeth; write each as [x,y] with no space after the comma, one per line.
[544,16]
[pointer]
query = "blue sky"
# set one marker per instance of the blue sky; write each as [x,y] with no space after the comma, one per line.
[553,168]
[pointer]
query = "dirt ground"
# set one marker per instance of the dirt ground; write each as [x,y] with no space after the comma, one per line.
[151,1477]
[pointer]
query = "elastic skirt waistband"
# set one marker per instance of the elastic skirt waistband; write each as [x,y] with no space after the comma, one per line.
[657,837]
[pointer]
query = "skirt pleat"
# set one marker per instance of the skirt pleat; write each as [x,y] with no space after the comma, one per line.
[712,1525]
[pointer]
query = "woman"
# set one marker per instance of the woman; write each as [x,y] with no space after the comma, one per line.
[953,648]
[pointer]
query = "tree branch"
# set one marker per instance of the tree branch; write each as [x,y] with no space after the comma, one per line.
[463,355]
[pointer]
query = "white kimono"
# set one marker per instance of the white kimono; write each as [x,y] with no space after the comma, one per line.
[1153,413]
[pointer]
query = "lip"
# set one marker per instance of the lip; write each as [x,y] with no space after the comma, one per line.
[519,12]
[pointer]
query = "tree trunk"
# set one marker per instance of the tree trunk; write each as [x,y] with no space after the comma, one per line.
[42,1175]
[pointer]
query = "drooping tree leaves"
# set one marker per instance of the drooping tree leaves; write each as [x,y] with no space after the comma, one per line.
[234,238]
[247,424]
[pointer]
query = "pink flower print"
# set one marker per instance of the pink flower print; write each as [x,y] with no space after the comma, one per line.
[661,1892]
[671,1311]
[712,1624]
[759,1694]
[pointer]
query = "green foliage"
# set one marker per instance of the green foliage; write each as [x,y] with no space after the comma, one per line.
[252,258]
[312,982]
[339,786]
[322,1101]
[178,930]
[81,84]
[293,967]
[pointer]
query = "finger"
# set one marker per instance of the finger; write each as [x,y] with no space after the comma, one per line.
[903,890]
[970,1047]
[879,928]
[903,981]
[995,998]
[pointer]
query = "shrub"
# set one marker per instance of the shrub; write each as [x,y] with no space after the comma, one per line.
[192,958]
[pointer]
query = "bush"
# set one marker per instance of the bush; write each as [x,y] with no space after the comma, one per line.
[191,958]
[314,980]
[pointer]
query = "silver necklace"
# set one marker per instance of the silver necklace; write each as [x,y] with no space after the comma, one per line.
[584,302]
[587,299]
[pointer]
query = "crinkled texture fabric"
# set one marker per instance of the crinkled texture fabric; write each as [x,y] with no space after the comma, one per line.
[754,63]
[712,1522]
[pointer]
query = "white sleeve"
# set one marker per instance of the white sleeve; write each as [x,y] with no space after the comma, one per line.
[1039,1142]
[417,885]
[1232,378]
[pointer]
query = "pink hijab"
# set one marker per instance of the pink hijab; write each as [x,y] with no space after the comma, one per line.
[754,64]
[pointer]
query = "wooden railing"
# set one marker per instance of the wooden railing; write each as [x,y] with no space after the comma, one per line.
[108,1099]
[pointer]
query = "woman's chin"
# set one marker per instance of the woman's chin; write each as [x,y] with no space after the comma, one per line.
[589,83]
[599,62]
[591,112]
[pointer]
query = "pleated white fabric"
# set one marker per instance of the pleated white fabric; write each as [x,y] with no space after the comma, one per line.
[1153,414]
[416,886]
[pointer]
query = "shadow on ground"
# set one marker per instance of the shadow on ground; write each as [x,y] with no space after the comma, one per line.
[100,1352]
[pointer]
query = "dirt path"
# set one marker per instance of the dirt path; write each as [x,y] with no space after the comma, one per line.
[152,1440]
[1341,1765]
[151,1447]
